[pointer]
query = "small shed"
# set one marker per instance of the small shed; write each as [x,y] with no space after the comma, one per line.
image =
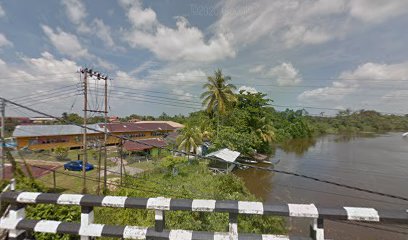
[227,157]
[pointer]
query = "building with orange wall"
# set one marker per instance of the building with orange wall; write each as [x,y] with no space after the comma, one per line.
[46,137]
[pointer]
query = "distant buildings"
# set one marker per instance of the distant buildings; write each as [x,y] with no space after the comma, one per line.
[27,120]
[45,137]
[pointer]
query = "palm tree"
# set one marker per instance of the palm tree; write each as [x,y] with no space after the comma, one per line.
[265,130]
[219,95]
[189,139]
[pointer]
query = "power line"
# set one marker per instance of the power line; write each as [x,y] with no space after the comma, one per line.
[372,227]
[236,163]
[139,99]
[170,100]
[44,92]
[43,100]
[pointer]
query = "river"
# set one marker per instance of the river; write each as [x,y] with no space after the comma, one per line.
[375,162]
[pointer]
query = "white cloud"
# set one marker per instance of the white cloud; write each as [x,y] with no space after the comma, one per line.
[2,12]
[69,45]
[257,69]
[38,74]
[370,85]
[377,11]
[247,89]
[75,10]
[285,74]
[300,34]
[4,42]
[125,79]
[183,95]
[293,22]
[300,22]
[139,17]
[65,43]
[103,32]
[184,42]
[188,76]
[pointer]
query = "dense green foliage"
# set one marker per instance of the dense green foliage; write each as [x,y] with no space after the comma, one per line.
[193,181]
[359,121]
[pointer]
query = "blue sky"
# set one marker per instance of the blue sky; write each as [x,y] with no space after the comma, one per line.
[312,53]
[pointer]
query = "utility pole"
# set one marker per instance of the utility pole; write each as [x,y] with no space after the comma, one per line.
[85,157]
[3,128]
[105,137]
[121,161]
[99,167]
[100,76]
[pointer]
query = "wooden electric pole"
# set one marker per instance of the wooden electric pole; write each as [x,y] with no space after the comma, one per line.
[98,76]
[99,166]
[3,129]
[85,157]
[105,156]
[121,161]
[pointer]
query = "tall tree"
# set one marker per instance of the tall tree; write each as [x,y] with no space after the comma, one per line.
[189,139]
[219,95]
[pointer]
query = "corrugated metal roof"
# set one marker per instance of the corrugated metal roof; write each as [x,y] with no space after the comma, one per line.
[171,123]
[225,154]
[137,126]
[51,130]
[144,144]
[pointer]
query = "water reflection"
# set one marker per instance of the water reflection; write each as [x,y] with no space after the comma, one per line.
[298,146]
[350,137]
[370,161]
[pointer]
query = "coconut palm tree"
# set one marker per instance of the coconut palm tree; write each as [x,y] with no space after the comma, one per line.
[189,139]
[219,95]
[265,130]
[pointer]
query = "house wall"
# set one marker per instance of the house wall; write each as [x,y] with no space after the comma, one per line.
[75,141]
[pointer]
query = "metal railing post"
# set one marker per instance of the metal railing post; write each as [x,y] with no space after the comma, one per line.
[16,213]
[12,184]
[233,226]
[159,220]
[87,218]
[317,229]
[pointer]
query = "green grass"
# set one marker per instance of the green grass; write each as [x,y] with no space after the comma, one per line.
[193,181]
[70,181]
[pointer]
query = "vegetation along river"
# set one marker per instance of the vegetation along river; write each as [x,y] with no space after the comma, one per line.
[376,162]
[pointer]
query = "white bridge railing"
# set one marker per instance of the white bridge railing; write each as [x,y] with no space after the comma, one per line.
[19,227]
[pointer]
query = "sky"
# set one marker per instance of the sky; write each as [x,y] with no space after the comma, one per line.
[321,55]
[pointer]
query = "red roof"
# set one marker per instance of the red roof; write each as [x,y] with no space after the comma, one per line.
[144,144]
[137,126]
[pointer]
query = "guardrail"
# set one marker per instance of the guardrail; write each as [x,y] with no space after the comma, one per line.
[18,226]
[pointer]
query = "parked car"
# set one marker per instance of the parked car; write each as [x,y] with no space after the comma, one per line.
[77,166]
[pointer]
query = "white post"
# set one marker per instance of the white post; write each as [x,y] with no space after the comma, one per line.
[317,230]
[16,213]
[233,226]
[87,218]
[159,220]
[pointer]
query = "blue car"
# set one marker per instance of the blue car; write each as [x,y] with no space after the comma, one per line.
[77,166]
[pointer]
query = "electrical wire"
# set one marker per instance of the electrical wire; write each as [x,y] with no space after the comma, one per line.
[360,189]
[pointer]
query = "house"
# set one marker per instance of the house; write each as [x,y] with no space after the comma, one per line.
[44,137]
[152,146]
[114,119]
[42,120]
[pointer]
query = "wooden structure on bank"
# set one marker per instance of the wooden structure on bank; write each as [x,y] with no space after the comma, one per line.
[46,137]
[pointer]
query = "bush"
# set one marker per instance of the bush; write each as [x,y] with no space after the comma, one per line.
[61,153]
[172,163]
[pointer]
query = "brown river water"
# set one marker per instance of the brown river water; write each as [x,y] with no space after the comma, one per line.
[376,162]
